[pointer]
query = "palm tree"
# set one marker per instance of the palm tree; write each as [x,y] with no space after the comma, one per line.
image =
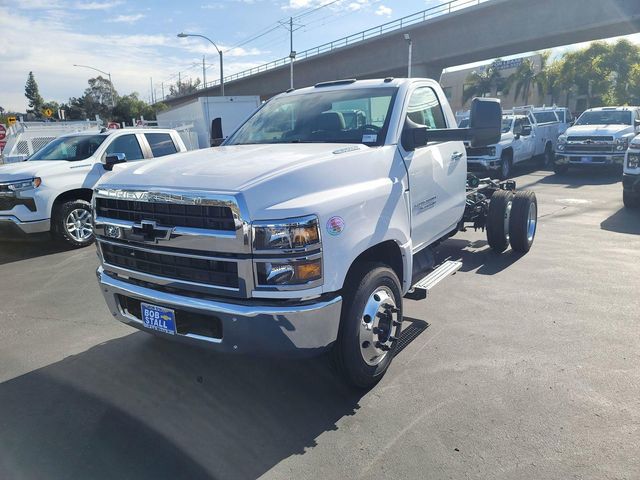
[483,82]
[525,78]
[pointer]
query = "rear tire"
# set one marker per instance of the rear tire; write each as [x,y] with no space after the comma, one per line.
[630,200]
[71,223]
[368,330]
[548,156]
[498,220]
[524,221]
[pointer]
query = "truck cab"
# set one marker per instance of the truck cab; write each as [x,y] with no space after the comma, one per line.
[600,137]
[51,191]
[303,232]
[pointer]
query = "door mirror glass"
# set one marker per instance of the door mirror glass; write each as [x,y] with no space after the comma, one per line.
[485,122]
[216,132]
[526,130]
[111,159]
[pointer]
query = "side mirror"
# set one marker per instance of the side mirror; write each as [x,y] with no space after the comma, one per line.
[216,132]
[526,130]
[485,122]
[108,161]
[636,123]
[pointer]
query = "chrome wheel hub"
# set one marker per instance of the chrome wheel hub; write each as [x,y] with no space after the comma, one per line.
[507,220]
[379,326]
[78,225]
[532,222]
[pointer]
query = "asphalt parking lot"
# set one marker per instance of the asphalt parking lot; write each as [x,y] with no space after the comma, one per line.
[518,367]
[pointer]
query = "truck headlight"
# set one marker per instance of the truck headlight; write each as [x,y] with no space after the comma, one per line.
[633,161]
[621,143]
[562,140]
[492,151]
[289,272]
[21,185]
[292,235]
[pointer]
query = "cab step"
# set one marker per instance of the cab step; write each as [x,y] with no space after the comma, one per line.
[422,287]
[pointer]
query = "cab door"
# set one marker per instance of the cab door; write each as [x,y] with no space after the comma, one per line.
[437,173]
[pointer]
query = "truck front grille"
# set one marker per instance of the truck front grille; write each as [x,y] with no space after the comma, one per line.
[217,273]
[595,144]
[210,217]
[480,151]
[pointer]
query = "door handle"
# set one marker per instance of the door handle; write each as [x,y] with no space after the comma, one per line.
[456,156]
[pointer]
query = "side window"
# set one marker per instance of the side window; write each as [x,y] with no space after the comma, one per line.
[424,108]
[517,126]
[127,144]
[161,144]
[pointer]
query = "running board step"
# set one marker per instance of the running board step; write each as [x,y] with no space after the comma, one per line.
[420,290]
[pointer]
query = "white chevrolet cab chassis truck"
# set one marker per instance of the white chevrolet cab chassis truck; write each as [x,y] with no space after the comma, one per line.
[305,230]
[51,191]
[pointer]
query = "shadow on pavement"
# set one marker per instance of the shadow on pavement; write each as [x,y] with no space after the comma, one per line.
[577,178]
[139,407]
[14,251]
[476,256]
[623,221]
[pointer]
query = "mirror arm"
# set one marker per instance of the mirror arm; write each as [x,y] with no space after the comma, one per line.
[449,134]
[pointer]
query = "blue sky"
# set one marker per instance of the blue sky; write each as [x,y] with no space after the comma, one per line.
[136,39]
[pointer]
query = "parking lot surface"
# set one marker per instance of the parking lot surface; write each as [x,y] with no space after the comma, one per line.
[518,367]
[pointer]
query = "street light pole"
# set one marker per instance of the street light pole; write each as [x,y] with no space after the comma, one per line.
[407,38]
[184,35]
[113,98]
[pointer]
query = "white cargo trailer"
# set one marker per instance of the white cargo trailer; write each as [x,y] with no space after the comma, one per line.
[201,111]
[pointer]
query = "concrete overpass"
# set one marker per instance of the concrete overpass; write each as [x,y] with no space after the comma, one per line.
[470,31]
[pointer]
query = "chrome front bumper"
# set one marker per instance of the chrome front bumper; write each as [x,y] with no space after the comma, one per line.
[595,159]
[483,163]
[12,224]
[303,329]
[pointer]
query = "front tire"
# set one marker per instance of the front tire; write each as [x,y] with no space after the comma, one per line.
[506,163]
[370,325]
[524,221]
[72,223]
[548,157]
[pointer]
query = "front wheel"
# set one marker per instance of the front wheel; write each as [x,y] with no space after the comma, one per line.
[72,223]
[370,325]
[523,221]
[506,163]
[498,220]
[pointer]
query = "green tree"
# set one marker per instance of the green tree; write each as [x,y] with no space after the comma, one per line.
[483,82]
[526,78]
[183,87]
[32,93]
[131,106]
[99,98]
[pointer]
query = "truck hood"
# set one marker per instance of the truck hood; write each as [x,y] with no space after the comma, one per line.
[24,170]
[232,168]
[276,180]
[614,130]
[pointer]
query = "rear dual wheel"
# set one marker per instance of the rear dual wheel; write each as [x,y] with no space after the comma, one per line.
[512,219]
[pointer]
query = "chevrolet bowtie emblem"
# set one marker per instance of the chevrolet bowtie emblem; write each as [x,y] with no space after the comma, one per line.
[149,231]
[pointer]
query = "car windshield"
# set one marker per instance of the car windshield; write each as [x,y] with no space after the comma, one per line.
[506,124]
[71,149]
[605,117]
[345,116]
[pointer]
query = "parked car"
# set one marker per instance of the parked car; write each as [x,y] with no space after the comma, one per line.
[51,191]
[631,175]
[600,137]
[305,239]
[521,140]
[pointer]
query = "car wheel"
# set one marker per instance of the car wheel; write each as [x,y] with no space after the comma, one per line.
[370,325]
[72,223]
[523,221]
[548,157]
[498,220]
[630,200]
[560,168]
[506,163]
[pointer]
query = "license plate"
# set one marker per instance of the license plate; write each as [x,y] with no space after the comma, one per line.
[587,159]
[158,318]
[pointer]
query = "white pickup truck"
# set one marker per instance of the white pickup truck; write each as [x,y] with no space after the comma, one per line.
[522,139]
[305,230]
[631,175]
[600,137]
[51,190]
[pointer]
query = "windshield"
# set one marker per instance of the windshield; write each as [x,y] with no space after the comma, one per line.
[70,149]
[506,124]
[345,116]
[605,117]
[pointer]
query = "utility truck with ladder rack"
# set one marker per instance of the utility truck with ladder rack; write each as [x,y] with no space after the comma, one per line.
[305,231]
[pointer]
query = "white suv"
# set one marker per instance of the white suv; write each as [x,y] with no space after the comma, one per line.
[51,191]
